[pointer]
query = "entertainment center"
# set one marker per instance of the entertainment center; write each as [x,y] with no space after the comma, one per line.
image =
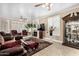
[71,31]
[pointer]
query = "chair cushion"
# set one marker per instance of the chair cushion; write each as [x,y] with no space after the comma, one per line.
[24,32]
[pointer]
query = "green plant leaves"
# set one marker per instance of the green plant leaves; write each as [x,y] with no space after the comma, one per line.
[30,25]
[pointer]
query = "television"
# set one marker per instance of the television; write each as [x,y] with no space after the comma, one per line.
[42,27]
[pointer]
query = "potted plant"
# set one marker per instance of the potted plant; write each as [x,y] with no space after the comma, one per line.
[30,27]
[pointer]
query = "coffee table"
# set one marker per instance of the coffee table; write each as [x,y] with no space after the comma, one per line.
[29,44]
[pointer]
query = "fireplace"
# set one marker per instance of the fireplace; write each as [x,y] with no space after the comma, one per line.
[71,31]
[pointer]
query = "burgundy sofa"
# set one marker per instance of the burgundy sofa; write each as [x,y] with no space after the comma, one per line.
[11,48]
[2,33]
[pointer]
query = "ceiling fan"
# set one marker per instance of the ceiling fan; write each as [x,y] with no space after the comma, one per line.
[44,5]
[22,18]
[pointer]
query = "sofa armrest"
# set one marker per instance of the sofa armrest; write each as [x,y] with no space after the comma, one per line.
[10,45]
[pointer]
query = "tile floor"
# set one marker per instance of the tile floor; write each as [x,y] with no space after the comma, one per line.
[57,49]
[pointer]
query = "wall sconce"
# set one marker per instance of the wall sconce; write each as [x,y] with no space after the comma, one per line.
[73,14]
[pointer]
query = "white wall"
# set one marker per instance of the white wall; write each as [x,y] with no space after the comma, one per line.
[9,24]
[55,22]
[3,24]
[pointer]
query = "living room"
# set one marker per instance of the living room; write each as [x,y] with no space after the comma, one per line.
[30,29]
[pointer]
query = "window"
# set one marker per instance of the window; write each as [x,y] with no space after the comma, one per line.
[55,22]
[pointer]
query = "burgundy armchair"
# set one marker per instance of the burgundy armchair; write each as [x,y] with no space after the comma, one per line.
[14,32]
[24,32]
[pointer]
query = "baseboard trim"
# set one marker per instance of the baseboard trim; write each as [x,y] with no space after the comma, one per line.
[54,40]
[58,41]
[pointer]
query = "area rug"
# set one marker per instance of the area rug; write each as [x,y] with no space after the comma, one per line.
[42,44]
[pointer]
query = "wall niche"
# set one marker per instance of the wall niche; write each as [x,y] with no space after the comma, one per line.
[71,30]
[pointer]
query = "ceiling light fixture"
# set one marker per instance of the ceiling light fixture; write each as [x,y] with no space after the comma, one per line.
[22,18]
[45,5]
[73,14]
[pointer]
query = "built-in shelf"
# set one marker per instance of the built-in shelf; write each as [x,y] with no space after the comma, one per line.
[71,31]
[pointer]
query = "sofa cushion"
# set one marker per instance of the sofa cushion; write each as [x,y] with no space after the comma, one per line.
[18,37]
[7,38]
[10,45]
[2,33]
[24,32]
[14,32]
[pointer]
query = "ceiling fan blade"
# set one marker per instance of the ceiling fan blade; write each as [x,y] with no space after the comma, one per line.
[39,4]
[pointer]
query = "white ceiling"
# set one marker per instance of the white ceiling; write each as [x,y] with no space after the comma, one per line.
[28,10]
